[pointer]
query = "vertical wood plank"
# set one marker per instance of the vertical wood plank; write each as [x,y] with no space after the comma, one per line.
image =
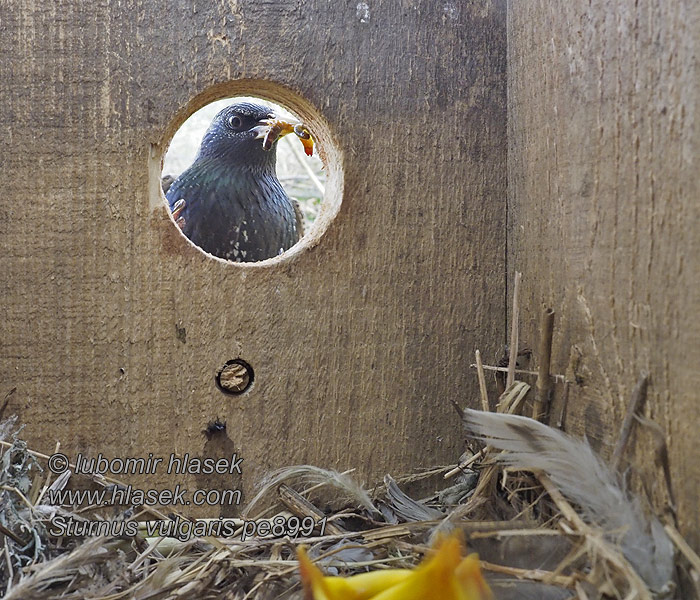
[114,326]
[604,156]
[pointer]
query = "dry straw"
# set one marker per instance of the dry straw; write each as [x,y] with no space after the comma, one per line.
[540,532]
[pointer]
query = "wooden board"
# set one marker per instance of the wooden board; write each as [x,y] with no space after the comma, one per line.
[604,216]
[114,326]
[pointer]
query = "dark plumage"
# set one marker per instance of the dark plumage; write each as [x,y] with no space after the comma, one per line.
[234,206]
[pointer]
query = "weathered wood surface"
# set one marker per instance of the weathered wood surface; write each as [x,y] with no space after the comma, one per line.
[114,326]
[604,215]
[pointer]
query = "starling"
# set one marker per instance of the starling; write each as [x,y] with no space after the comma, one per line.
[229,202]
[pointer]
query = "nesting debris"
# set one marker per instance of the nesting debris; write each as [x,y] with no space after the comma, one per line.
[532,544]
[548,518]
[571,467]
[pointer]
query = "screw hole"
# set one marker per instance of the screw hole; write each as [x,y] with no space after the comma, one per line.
[235,377]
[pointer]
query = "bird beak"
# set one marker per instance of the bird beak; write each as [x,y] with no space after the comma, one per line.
[272,129]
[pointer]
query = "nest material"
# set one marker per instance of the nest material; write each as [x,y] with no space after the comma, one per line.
[533,540]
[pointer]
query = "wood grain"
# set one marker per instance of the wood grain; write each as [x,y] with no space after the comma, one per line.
[114,326]
[603,163]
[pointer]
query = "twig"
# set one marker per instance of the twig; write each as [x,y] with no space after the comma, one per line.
[413,477]
[543,386]
[22,497]
[5,531]
[10,570]
[602,547]
[661,459]
[569,378]
[518,529]
[141,557]
[562,503]
[580,591]
[466,464]
[683,546]
[514,331]
[639,396]
[301,507]
[556,376]
[482,382]
[509,403]
[6,401]
[510,400]
[567,581]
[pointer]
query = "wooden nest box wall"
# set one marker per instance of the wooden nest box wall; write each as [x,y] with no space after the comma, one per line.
[604,220]
[115,326]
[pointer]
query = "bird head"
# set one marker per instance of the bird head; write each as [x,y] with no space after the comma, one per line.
[235,135]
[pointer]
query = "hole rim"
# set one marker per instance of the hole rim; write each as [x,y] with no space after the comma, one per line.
[326,142]
[249,371]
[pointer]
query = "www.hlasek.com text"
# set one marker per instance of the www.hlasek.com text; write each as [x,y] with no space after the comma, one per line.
[124,495]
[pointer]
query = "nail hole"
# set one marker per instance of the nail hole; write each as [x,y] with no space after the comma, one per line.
[235,377]
[215,428]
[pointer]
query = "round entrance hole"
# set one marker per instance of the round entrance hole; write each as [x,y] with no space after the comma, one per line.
[250,181]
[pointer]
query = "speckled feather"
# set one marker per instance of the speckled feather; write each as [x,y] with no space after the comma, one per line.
[235,207]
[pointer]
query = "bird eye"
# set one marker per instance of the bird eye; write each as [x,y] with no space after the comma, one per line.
[235,122]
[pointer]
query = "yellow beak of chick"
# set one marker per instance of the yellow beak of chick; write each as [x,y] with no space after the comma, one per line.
[444,574]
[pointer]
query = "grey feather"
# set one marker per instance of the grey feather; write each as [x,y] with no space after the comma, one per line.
[343,551]
[344,486]
[585,480]
[405,506]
